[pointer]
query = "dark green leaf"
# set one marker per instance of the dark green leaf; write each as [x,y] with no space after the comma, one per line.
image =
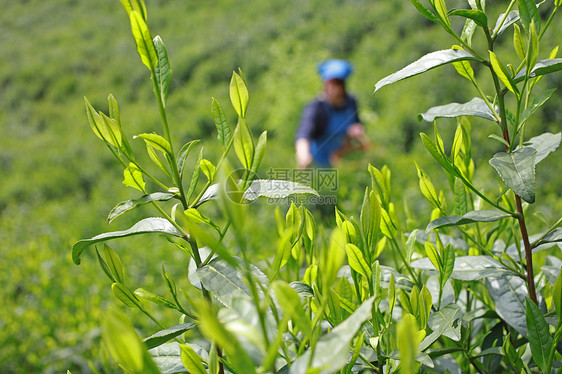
[502,24]
[162,71]
[544,144]
[475,107]
[145,226]
[163,336]
[469,268]
[528,12]
[424,11]
[476,15]
[470,217]
[125,206]
[538,334]
[331,351]
[275,189]
[555,236]
[537,102]
[303,289]
[195,176]
[509,294]
[517,170]
[221,123]
[444,322]
[427,62]
[542,67]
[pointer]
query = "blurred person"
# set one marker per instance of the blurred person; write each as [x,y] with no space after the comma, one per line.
[330,126]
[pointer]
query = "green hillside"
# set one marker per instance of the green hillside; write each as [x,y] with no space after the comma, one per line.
[58,182]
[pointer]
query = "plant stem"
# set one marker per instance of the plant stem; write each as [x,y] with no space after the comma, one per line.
[528,251]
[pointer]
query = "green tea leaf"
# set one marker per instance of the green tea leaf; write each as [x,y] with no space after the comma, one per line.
[509,20]
[221,123]
[275,189]
[137,5]
[537,102]
[145,47]
[183,153]
[406,332]
[518,43]
[446,322]
[156,299]
[427,188]
[259,152]
[239,95]
[121,292]
[157,142]
[542,67]
[427,62]
[475,107]
[509,294]
[122,342]
[424,11]
[289,301]
[113,263]
[162,70]
[538,334]
[244,144]
[533,51]
[145,226]
[331,351]
[132,177]
[544,144]
[469,268]
[502,73]
[195,176]
[208,169]
[434,151]
[476,15]
[191,360]
[448,264]
[128,205]
[433,256]
[470,217]
[517,170]
[165,335]
[528,12]
[357,261]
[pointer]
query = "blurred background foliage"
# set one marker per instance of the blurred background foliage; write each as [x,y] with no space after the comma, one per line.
[58,182]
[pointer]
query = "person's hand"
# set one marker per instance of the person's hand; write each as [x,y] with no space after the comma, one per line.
[356,131]
[304,157]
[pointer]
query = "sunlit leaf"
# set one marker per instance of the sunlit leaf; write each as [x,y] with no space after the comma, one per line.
[145,46]
[162,70]
[509,294]
[469,268]
[128,205]
[517,170]
[165,335]
[475,107]
[470,217]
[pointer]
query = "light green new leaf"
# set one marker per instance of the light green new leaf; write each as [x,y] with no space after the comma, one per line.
[517,170]
[121,292]
[538,334]
[244,144]
[122,342]
[289,301]
[427,188]
[407,343]
[448,264]
[357,261]
[223,129]
[425,63]
[162,71]
[208,169]
[441,9]
[434,151]
[191,360]
[156,299]
[259,152]
[475,107]
[518,42]
[503,74]
[128,205]
[157,142]
[145,46]
[433,256]
[165,335]
[137,5]
[239,95]
[533,51]
[111,264]
[528,12]
[145,226]
[470,217]
[132,177]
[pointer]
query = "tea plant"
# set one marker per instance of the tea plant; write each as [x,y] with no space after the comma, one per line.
[324,302]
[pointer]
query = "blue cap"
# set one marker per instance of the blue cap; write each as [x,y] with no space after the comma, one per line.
[334,69]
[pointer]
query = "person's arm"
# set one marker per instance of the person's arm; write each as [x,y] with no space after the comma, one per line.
[304,157]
